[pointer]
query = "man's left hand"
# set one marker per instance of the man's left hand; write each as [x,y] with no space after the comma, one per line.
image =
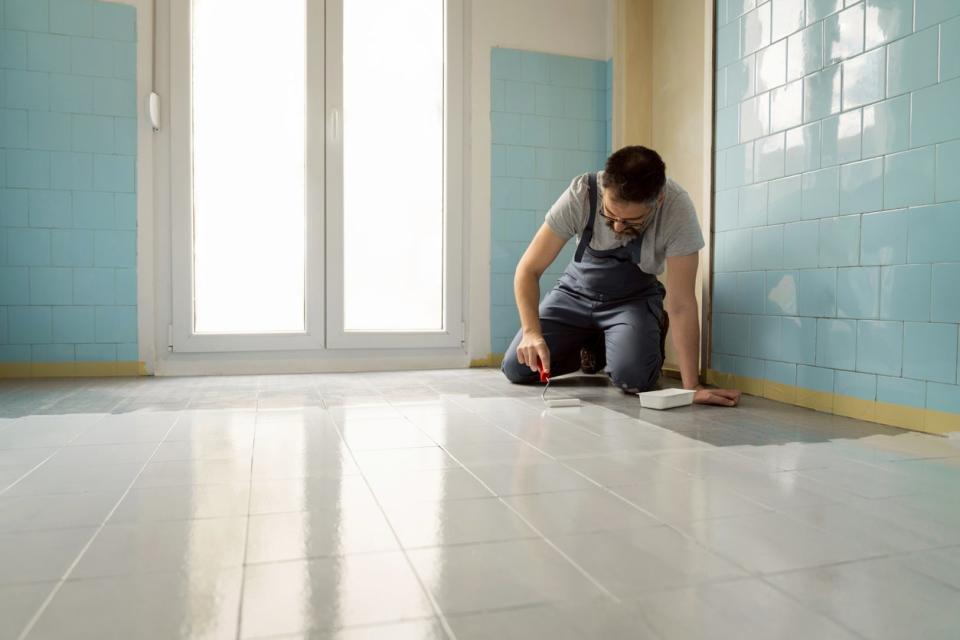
[720,397]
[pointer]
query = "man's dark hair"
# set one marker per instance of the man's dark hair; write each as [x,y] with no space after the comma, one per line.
[635,174]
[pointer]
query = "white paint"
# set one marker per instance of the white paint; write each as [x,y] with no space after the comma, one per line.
[564,27]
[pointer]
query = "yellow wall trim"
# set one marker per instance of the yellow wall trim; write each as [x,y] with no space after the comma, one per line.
[106,369]
[926,420]
[492,361]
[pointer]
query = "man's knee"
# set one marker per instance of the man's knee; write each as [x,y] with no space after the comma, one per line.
[640,375]
[516,372]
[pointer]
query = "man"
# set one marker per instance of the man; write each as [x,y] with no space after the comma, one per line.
[608,308]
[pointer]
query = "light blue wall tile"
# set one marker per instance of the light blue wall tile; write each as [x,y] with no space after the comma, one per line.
[518,97]
[720,362]
[815,378]
[821,193]
[28,169]
[125,136]
[728,43]
[883,238]
[14,207]
[819,9]
[786,18]
[96,352]
[51,285]
[52,352]
[534,131]
[769,154]
[781,372]
[749,293]
[26,89]
[929,352]
[753,205]
[858,292]
[856,385]
[841,138]
[741,80]
[772,66]
[29,325]
[497,94]
[805,52]
[887,20]
[755,117]
[114,21]
[73,324]
[504,321]
[931,12]
[799,337]
[886,127]
[749,368]
[843,34]
[93,210]
[550,100]
[864,79]
[113,97]
[948,168]
[950,49]
[71,17]
[755,32]
[912,62]
[901,391]
[932,232]
[880,347]
[943,397]
[725,292]
[498,161]
[780,292]
[739,247]
[13,50]
[50,209]
[786,106]
[803,149]
[504,127]
[14,285]
[785,201]
[71,170]
[563,133]
[817,293]
[905,292]
[740,165]
[126,211]
[736,8]
[28,247]
[909,178]
[14,130]
[94,134]
[92,57]
[93,286]
[837,344]
[535,67]
[801,245]
[840,241]
[933,117]
[765,337]
[48,53]
[505,64]
[130,352]
[520,162]
[49,131]
[512,225]
[70,94]
[551,164]
[726,213]
[944,301]
[28,15]
[14,353]
[821,93]
[767,247]
[861,186]
[117,324]
[735,334]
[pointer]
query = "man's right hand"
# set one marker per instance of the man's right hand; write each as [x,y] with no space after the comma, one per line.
[532,346]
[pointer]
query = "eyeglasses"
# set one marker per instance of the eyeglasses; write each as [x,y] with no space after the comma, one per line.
[627,223]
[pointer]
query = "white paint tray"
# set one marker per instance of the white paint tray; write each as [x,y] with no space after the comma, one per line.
[666,398]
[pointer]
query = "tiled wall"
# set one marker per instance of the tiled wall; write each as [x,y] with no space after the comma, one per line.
[550,120]
[67,182]
[837,221]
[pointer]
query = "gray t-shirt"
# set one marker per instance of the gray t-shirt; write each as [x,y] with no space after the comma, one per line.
[673,231]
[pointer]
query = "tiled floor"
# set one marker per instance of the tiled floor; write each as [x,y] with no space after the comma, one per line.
[449,504]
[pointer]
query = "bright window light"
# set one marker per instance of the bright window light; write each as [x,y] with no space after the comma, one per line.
[249,135]
[393,165]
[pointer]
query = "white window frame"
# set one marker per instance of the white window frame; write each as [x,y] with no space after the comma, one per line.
[324,198]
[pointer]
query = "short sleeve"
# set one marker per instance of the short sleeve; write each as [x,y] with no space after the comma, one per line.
[683,228]
[569,213]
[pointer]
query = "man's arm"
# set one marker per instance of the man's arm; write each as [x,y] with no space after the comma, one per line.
[541,253]
[681,304]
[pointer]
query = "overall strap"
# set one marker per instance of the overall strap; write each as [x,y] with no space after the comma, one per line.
[587,234]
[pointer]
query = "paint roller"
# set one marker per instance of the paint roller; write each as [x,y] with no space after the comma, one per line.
[553,403]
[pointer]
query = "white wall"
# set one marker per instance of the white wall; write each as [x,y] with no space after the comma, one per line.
[564,27]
